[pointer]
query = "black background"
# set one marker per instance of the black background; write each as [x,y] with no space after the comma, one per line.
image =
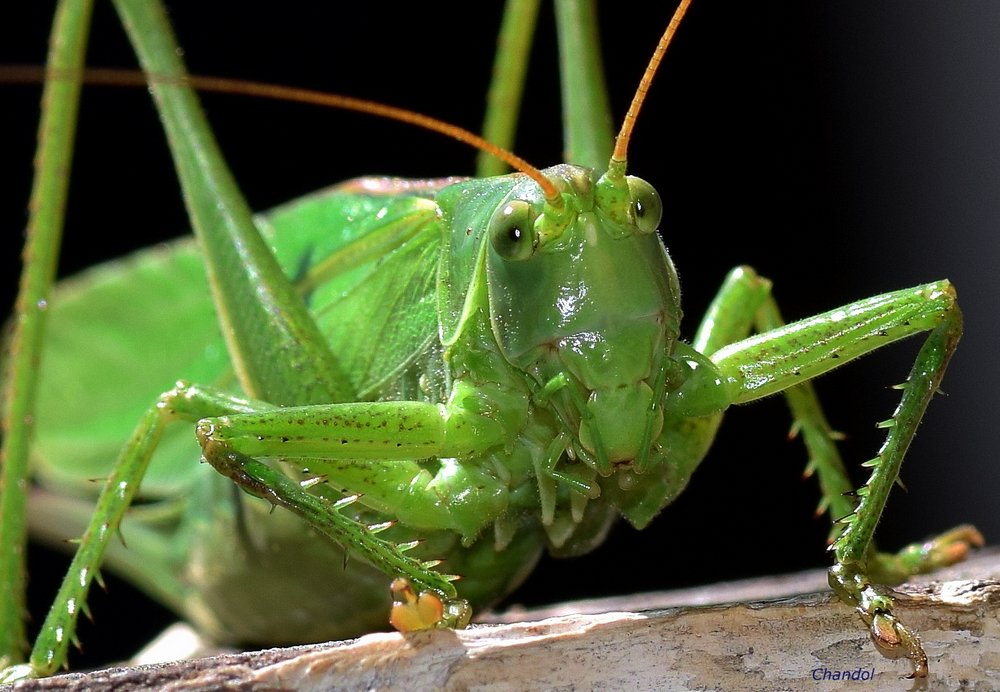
[842,149]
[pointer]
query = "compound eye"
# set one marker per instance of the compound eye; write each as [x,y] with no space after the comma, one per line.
[647,209]
[512,231]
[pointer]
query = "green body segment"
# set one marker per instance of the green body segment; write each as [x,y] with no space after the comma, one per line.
[441,379]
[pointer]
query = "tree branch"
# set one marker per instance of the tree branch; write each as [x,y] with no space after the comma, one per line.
[725,636]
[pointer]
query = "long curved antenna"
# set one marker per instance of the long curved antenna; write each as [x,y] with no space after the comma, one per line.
[620,153]
[15,74]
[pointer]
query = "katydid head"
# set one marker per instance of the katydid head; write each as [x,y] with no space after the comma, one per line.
[601,339]
[582,298]
[581,294]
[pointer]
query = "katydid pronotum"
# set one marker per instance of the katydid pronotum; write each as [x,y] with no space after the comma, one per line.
[714,176]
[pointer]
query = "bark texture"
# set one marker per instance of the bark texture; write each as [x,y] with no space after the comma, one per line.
[765,634]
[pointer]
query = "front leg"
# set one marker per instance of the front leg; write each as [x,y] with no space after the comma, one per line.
[377,454]
[185,402]
[782,358]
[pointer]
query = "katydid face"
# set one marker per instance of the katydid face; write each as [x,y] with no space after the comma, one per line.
[603,328]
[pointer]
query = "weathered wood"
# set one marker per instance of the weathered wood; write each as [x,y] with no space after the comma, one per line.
[674,640]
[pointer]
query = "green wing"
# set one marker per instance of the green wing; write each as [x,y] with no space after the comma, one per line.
[124,332]
[119,335]
[369,282]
